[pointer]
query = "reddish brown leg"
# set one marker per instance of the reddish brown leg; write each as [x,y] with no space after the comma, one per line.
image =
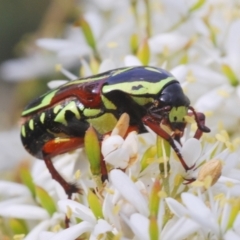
[54,148]
[189,180]
[200,120]
[159,131]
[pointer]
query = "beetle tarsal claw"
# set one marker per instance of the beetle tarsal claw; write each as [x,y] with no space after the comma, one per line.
[205,129]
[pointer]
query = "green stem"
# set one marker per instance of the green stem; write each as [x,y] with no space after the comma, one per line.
[148,18]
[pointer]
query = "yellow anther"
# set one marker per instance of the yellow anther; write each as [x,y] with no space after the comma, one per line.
[118,236]
[220,125]
[209,139]
[56,228]
[219,197]
[116,209]
[69,212]
[215,30]
[208,182]
[112,44]
[18,237]
[225,134]
[223,93]
[229,184]
[231,147]
[208,113]
[77,174]
[190,77]
[142,140]
[236,142]
[189,119]
[94,65]
[165,51]
[178,180]
[109,190]
[58,67]
[194,127]
[197,184]
[221,138]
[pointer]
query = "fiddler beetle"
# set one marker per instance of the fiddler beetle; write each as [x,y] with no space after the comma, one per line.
[56,122]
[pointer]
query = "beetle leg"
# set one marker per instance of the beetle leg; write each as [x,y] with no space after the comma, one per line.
[104,171]
[188,180]
[200,120]
[155,126]
[59,146]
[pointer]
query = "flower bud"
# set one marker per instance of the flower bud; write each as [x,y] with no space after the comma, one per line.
[212,169]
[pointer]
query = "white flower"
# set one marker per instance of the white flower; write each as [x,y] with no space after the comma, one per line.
[199,42]
[206,219]
[27,67]
[71,48]
[128,190]
[118,152]
[171,41]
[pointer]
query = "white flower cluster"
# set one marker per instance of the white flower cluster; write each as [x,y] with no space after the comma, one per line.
[145,196]
[136,198]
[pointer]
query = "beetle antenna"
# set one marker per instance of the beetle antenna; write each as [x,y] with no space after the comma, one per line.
[200,120]
[159,112]
[163,109]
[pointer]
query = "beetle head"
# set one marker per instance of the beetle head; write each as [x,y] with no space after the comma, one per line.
[176,117]
[172,95]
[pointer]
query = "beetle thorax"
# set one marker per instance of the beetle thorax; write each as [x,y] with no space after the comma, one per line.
[172,95]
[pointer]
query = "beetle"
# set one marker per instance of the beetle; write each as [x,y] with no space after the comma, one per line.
[56,122]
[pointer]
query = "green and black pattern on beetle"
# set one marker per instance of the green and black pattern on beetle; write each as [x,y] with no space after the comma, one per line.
[56,122]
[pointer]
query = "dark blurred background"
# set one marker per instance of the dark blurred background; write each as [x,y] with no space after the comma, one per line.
[21,22]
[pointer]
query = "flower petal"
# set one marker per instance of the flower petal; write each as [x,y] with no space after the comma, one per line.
[38,231]
[73,232]
[128,190]
[111,143]
[140,226]
[108,211]
[231,235]
[106,65]
[131,60]
[178,209]
[200,212]
[119,158]
[78,210]
[172,41]
[24,212]
[56,83]
[191,151]
[181,229]
[131,143]
[10,189]
[101,227]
